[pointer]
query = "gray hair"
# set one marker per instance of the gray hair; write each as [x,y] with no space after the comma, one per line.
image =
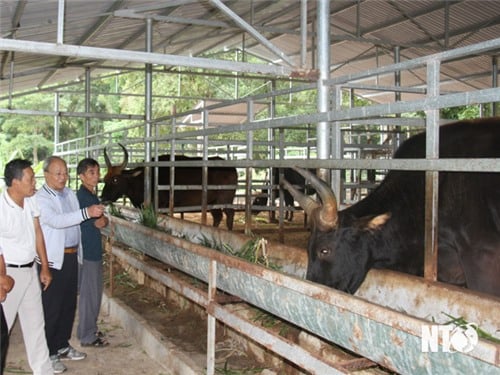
[47,162]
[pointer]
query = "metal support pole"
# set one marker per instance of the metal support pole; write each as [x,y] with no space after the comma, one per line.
[56,121]
[397,94]
[249,172]
[211,320]
[87,109]
[432,177]
[204,173]
[11,80]
[60,22]
[323,131]
[148,114]
[494,83]
[303,33]
[336,145]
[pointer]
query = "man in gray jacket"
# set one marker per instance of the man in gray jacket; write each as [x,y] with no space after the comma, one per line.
[60,218]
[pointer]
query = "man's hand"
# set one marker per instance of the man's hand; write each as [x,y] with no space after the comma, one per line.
[45,277]
[101,222]
[96,210]
[6,285]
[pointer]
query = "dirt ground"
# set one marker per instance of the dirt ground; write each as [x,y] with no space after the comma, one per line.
[122,356]
[182,327]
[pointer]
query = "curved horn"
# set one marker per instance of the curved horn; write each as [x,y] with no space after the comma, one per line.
[106,159]
[327,216]
[122,165]
[306,202]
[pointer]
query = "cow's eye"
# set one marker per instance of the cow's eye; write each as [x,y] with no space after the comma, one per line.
[324,252]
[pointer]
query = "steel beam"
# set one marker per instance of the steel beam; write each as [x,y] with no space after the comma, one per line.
[128,56]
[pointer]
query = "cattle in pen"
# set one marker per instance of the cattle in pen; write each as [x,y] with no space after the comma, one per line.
[119,182]
[292,177]
[386,229]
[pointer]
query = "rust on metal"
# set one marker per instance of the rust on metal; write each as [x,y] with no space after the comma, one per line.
[309,74]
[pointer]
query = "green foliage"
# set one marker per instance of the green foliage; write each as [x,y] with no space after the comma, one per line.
[461,322]
[148,217]
[115,211]
[253,251]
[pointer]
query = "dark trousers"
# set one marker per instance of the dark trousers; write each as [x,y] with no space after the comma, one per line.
[59,304]
[4,339]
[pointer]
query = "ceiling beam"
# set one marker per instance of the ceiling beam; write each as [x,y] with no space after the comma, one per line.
[108,54]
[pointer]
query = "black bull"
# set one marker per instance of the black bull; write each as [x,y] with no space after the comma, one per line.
[386,229]
[130,183]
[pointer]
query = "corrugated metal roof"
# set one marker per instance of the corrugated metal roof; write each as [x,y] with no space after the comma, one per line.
[363,35]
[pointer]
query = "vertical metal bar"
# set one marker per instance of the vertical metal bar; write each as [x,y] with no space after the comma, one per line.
[494,83]
[87,110]
[148,110]
[11,79]
[397,74]
[336,144]
[60,22]
[204,172]
[236,75]
[109,249]
[397,94]
[249,171]
[281,233]
[432,177]
[211,321]
[323,134]
[275,133]
[303,33]
[56,121]
[358,19]
[156,179]
[172,170]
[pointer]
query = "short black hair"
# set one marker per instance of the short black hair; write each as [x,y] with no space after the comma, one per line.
[84,164]
[14,170]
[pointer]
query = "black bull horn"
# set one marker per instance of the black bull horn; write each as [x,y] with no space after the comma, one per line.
[324,215]
[122,165]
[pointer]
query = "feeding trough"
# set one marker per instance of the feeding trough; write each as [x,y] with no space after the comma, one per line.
[383,322]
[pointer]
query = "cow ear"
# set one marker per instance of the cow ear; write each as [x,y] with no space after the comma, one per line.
[378,221]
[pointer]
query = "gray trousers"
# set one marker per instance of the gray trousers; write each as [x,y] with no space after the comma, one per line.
[89,305]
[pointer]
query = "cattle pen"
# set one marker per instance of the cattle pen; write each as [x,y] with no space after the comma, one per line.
[383,323]
[331,86]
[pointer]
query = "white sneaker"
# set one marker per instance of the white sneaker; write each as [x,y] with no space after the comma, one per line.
[57,366]
[70,353]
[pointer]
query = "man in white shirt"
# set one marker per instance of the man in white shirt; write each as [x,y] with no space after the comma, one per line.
[21,239]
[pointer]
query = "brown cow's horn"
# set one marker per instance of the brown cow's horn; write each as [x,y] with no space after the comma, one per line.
[327,217]
[122,165]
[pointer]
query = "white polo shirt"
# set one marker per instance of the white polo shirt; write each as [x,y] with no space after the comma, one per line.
[17,230]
